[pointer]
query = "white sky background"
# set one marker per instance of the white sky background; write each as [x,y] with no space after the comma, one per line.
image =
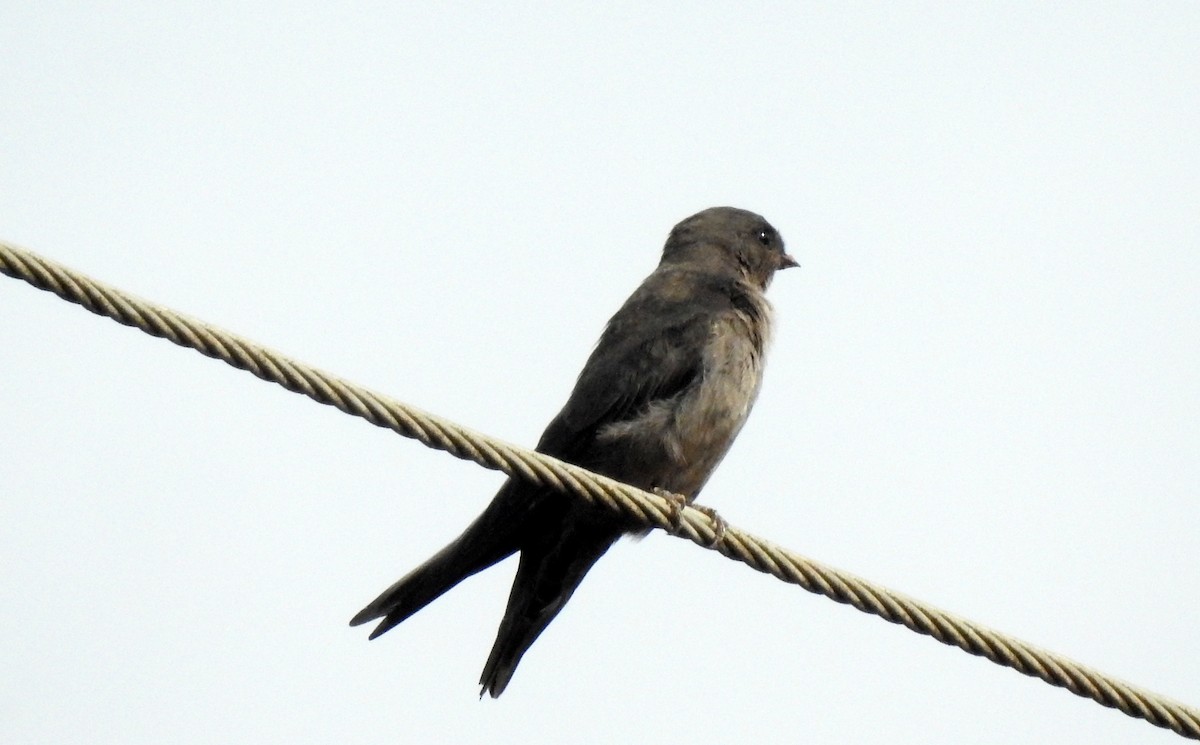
[983,389]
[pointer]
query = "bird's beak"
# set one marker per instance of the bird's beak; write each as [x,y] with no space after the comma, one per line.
[787,262]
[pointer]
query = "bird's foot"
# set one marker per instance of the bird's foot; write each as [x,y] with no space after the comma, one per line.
[719,524]
[675,505]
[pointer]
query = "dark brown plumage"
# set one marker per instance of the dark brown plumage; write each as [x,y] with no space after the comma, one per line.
[657,405]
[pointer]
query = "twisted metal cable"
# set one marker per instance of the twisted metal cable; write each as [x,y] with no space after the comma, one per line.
[650,509]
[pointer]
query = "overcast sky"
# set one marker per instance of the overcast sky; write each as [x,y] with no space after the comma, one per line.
[984,389]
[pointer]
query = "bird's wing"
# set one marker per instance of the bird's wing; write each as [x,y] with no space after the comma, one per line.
[651,350]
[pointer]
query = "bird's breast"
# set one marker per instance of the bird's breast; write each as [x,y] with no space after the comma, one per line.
[675,443]
[709,415]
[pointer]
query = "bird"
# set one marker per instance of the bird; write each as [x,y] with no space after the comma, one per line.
[657,405]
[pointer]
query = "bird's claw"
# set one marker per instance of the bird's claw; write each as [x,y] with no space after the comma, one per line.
[719,524]
[675,505]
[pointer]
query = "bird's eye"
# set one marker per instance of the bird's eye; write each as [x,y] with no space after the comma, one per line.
[764,237]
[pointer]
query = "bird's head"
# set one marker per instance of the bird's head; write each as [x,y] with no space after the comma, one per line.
[729,241]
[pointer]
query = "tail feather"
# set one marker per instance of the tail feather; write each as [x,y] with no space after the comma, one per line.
[492,537]
[419,588]
[544,583]
[558,542]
